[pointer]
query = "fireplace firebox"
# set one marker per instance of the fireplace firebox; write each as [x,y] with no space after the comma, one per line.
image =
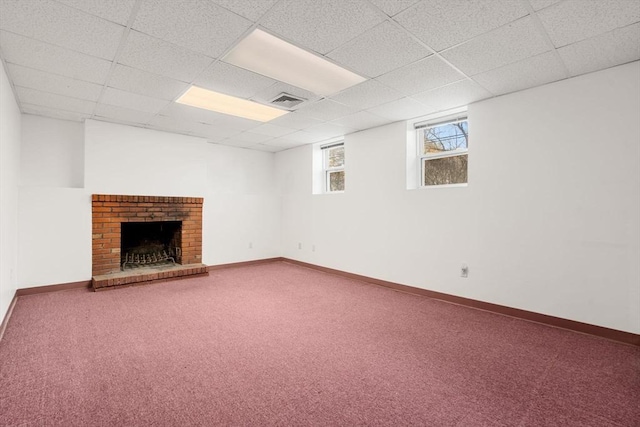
[150,243]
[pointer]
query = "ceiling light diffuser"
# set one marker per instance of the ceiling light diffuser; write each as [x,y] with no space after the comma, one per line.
[270,56]
[225,104]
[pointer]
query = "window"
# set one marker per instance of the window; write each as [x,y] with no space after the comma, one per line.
[442,152]
[333,167]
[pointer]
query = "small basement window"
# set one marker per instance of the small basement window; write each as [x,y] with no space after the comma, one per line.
[333,167]
[443,152]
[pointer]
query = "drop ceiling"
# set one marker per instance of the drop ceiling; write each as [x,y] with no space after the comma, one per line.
[127,61]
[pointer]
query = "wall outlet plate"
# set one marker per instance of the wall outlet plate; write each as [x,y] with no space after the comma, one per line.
[464,270]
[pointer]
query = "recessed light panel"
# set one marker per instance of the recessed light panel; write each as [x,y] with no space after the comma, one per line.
[225,104]
[270,56]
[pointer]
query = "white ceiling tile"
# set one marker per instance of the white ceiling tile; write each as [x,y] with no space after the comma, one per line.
[169,124]
[191,114]
[366,95]
[51,100]
[113,10]
[574,20]
[232,80]
[61,85]
[295,121]
[541,4]
[457,94]
[325,110]
[61,25]
[213,139]
[606,50]
[513,42]
[268,148]
[393,7]
[237,122]
[379,50]
[361,120]
[46,57]
[402,109]
[444,23]
[250,9]
[252,137]
[122,114]
[133,101]
[232,142]
[321,25]
[265,96]
[216,132]
[272,130]
[530,72]
[328,130]
[303,137]
[160,57]
[423,75]
[283,143]
[198,25]
[210,132]
[145,83]
[54,113]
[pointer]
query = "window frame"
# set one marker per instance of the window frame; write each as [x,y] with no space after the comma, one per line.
[422,158]
[327,170]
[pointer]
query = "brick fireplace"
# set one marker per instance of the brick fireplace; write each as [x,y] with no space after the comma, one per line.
[169,225]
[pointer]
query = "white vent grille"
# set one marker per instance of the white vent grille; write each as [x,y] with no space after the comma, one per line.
[286,100]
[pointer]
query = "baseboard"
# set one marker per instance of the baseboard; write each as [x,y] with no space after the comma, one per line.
[5,321]
[558,322]
[53,288]
[245,263]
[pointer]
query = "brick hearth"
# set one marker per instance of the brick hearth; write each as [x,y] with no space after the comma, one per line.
[109,211]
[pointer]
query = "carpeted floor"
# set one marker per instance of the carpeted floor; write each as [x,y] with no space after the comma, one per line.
[278,344]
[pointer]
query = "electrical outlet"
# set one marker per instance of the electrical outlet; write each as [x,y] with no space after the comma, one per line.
[299,245]
[250,245]
[313,248]
[464,270]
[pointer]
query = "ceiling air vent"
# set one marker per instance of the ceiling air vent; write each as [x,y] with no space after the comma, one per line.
[288,101]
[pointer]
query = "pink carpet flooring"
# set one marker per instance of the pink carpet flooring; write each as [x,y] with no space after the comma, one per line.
[278,344]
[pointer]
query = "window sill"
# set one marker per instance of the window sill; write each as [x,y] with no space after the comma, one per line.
[429,187]
[329,192]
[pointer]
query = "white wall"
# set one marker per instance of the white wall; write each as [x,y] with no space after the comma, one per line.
[9,177]
[549,221]
[55,236]
[242,206]
[241,214]
[54,210]
[52,152]
[123,159]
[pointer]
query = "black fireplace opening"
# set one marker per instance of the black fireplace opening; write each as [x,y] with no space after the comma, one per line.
[145,244]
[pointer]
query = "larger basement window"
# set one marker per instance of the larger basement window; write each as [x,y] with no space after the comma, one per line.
[333,167]
[443,152]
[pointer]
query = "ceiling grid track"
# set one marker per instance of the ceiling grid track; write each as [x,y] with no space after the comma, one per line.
[114,63]
[540,27]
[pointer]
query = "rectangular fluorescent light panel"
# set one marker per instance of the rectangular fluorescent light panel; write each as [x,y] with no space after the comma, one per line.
[225,104]
[270,56]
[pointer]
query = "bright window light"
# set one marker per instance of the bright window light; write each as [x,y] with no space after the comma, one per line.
[225,104]
[270,56]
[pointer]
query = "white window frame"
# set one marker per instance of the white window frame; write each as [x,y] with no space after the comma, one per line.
[422,158]
[326,170]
